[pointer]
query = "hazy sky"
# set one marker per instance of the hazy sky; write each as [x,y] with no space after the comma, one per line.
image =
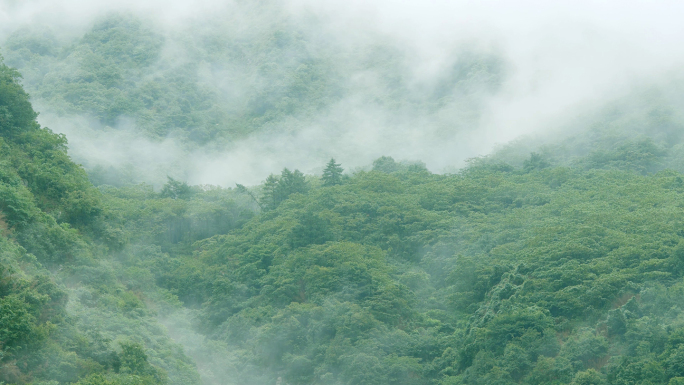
[562,55]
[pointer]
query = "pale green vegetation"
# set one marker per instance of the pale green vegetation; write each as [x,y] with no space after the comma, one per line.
[554,262]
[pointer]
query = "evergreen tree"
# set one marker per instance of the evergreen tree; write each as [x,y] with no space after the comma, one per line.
[386,164]
[277,189]
[269,197]
[176,189]
[332,175]
[290,183]
[284,188]
[536,162]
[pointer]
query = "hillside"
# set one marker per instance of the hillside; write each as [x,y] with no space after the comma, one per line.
[208,86]
[65,311]
[496,275]
[557,259]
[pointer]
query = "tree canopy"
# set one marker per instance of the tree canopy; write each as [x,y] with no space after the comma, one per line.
[332,174]
[550,261]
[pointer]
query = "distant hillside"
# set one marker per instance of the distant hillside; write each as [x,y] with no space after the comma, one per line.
[642,131]
[256,71]
[223,81]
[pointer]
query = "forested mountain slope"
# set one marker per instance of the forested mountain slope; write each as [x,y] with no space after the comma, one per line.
[557,269]
[551,261]
[497,275]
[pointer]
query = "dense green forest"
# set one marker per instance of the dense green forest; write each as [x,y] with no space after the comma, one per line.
[554,260]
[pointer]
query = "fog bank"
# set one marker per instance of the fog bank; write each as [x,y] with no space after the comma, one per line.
[558,59]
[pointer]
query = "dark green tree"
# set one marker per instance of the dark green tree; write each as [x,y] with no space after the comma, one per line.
[332,175]
[589,377]
[277,189]
[269,197]
[134,359]
[291,182]
[536,162]
[386,164]
[176,189]
[16,112]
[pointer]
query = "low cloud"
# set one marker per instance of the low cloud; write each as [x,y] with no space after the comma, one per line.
[560,58]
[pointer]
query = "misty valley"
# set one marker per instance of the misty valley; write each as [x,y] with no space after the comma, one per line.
[247,196]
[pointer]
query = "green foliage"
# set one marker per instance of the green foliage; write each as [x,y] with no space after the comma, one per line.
[555,265]
[589,377]
[18,329]
[16,112]
[495,275]
[536,162]
[386,164]
[176,190]
[332,174]
[133,361]
[642,156]
[277,189]
[56,242]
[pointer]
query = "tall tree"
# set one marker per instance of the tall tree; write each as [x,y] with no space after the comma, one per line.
[332,175]
[269,196]
[277,189]
[176,189]
[386,164]
[291,182]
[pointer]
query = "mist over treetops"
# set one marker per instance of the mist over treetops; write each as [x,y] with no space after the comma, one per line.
[358,193]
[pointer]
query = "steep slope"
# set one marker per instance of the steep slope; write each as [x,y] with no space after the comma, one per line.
[553,261]
[64,314]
